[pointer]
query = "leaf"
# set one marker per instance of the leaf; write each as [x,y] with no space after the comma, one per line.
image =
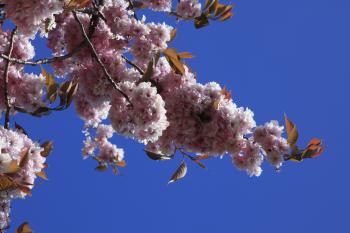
[155,156]
[226,16]
[201,21]
[42,175]
[208,3]
[24,228]
[314,149]
[223,9]
[24,157]
[51,85]
[179,173]
[173,34]
[48,146]
[6,183]
[289,124]
[293,137]
[12,167]
[101,167]
[148,73]
[292,131]
[201,157]
[71,93]
[314,142]
[213,6]
[20,129]
[174,61]
[225,93]
[183,55]
[199,163]
[24,189]
[76,4]
[121,163]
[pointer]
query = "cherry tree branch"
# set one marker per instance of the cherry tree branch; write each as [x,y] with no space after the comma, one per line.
[6,80]
[97,58]
[133,65]
[132,7]
[44,60]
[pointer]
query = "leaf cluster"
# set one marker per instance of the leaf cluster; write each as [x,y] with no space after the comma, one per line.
[213,10]
[314,148]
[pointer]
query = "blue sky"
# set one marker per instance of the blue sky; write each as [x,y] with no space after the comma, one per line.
[275,56]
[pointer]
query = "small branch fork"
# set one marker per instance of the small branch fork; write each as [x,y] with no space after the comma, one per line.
[6,80]
[97,58]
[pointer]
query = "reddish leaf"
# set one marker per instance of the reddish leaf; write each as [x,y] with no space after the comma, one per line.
[24,228]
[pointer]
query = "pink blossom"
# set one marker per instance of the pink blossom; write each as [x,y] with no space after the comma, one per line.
[188,9]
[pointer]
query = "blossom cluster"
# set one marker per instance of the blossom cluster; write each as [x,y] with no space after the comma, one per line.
[107,152]
[25,89]
[32,16]
[168,111]
[274,145]
[188,9]
[20,161]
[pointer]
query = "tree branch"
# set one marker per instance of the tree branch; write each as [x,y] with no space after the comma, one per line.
[97,58]
[132,7]
[133,65]
[6,80]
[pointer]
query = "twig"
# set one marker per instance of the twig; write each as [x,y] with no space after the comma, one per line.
[93,24]
[97,58]
[44,60]
[133,65]
[132,7]
[6,80]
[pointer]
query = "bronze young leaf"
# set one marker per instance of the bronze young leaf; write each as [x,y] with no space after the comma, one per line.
[179,173]
[292,131]
[48,146]
[155,156]
[24,228]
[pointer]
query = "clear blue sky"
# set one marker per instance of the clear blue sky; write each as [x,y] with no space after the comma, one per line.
[276,56]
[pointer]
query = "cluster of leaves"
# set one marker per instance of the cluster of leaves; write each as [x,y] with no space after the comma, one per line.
[215,11]
[313,149]
[64,91]
[7,181]
[182,169]
[102,165]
